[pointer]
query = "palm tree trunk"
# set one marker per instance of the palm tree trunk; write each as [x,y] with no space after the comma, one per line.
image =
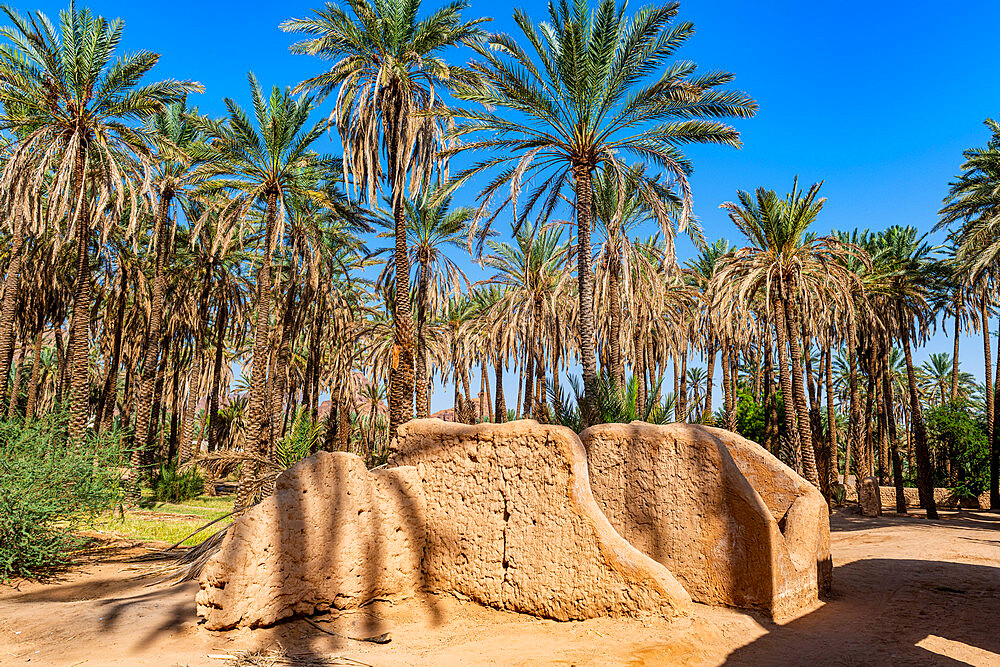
[401,372]
[11,290]
[29,410]
[152,348]
[540,412]
[897,464]
[258,426]
[213,401]
[805,431]
[772,434]
[584,223]
[80,333]
[727,388]
[785,378]
[995,441]
[529,375]
[283,357]
[925,483]
[682,396]
[422,373]
[501,407]
[831,415]
[194,377]
[615,335]
[854,423]
[989,366]
[706,414]
[16,386]
[639,368]
[954,356]
[866,461]
[485,408]
[109,396]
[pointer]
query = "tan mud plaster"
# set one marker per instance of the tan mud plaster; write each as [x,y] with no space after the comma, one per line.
[679,495]
[333,534]
[512,523]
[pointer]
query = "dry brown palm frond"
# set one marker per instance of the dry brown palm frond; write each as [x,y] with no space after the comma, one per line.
[279,656]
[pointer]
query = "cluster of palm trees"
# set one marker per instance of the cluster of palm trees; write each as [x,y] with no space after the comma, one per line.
[202,245]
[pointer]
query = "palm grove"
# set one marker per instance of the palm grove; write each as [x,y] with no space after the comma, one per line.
[152,249]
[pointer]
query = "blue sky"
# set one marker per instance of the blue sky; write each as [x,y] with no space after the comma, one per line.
[876,99]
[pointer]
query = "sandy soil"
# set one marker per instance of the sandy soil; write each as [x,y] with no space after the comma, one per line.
[906,591]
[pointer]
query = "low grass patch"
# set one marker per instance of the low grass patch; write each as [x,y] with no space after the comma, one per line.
[168,522]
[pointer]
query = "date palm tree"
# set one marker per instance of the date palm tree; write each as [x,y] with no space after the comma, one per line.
[75,106]
[263,163]
[596,87]
[530,274]
[909,280]
[788,268]
[389,75]
[432,226]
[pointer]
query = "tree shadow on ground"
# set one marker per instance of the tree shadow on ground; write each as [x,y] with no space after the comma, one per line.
[894,605]
[849,518]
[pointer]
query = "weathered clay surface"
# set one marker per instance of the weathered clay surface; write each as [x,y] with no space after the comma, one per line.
[871,502]
[804,568]
[512,523]
[332,535]
[692,500]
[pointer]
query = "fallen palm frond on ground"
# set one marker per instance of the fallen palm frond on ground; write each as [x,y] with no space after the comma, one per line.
[275,657]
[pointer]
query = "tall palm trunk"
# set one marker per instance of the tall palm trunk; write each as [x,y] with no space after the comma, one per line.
[995,442]
[890,414]
[401,371]
[151,351]
[29,410]
[639,368]
[422,372]
[706,414]
[213,401]
[258,426]
[501,408]
[682,395]
[615,306]
[194,376]
[772,433]
[727,387]
[805,431]
[11,289]
[785,379]
[925,483]
[831,415]
[282,359]
[854,423]
[15,388]
[540,413]
[109,396]
[584,223]
[80,331]
[989,366]
[954,355]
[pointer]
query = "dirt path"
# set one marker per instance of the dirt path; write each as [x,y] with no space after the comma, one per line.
[906,591]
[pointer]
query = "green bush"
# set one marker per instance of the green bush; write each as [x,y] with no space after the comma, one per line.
[172,486]
[956,433]
[47,487]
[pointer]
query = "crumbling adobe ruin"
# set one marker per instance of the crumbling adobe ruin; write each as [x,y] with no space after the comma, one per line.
[505,515]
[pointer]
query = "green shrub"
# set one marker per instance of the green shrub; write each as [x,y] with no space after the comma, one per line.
[172,486]
[47,487]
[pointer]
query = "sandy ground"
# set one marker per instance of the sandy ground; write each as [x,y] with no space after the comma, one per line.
[906,591]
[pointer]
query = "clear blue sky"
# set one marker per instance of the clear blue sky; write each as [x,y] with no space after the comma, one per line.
[876,99]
